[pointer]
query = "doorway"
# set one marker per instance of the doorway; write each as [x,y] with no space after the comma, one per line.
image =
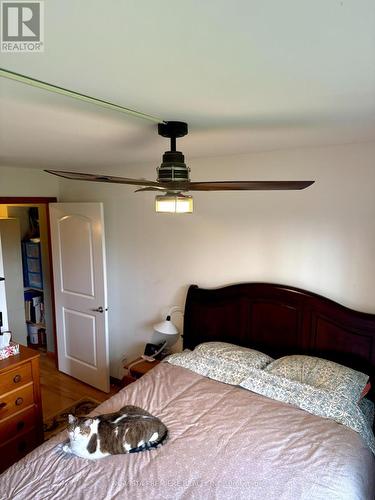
[34,323]
[75,332]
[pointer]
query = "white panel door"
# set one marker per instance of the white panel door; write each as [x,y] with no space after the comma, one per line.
[78,256]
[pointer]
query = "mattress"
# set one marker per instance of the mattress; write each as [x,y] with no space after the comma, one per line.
[225,442]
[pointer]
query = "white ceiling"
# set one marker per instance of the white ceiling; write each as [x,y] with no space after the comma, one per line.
[247,75]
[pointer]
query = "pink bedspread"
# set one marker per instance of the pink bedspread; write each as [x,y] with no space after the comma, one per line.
[225,442]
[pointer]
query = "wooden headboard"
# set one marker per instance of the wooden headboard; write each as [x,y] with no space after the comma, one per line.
[281,320]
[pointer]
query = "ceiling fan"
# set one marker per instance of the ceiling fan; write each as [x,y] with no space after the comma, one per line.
[173,174]
[174,180]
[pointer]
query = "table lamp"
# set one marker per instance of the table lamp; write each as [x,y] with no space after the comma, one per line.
[167,327]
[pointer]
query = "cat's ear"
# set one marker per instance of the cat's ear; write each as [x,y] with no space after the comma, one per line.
[71,419]
[88,422]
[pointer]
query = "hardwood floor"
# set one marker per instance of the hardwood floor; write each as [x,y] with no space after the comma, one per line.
[60,391]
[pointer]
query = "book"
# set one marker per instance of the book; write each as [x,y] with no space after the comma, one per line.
[34,306]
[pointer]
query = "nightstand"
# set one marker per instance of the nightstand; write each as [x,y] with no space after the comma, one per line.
[138,370]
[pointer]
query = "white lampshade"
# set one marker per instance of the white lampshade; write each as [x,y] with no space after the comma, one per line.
[166,327]
[174,203]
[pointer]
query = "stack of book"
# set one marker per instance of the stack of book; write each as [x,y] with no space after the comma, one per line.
[34,306]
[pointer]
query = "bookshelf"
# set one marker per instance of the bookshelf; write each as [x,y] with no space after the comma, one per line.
[35,320]
[34,295]
[32,265]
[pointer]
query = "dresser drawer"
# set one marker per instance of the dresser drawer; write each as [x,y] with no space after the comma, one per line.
[15,378]
[16,401]
[19,423]
[17,448]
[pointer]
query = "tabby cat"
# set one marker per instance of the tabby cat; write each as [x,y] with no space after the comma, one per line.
[128,430]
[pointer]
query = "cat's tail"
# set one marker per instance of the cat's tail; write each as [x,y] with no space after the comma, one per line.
[163,438]
[152,444]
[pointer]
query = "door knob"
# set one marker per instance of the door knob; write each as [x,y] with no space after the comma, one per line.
[100,309]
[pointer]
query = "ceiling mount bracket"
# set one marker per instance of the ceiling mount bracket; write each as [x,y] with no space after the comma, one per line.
[173,130]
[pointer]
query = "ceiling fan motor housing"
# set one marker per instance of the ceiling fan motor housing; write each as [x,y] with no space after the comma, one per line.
[173,168]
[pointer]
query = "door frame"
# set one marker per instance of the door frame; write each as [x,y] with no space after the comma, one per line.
[44,200]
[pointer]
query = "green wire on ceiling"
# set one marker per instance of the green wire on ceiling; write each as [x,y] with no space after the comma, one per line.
[5,73]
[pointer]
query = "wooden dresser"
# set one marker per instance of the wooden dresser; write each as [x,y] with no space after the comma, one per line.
[21,420]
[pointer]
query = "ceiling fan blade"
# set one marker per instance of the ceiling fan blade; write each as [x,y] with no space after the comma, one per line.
[102,178]
[248,185]
[151,189]
[186,186]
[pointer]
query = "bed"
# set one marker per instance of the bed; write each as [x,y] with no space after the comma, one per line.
[227,442]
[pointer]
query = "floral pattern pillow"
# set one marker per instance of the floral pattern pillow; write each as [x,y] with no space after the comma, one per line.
[231,353]
[317,401]
[321,374]
[367,408]
[218,369]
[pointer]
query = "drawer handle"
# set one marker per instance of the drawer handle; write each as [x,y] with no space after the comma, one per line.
[19,401]
[20,425]
[2,405]
[17,379]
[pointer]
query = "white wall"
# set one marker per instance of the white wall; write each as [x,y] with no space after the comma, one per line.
[22,214]
[11,269]
[16,181]
[321,239]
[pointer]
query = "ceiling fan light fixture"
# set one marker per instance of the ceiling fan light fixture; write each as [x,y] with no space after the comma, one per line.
[171,203]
